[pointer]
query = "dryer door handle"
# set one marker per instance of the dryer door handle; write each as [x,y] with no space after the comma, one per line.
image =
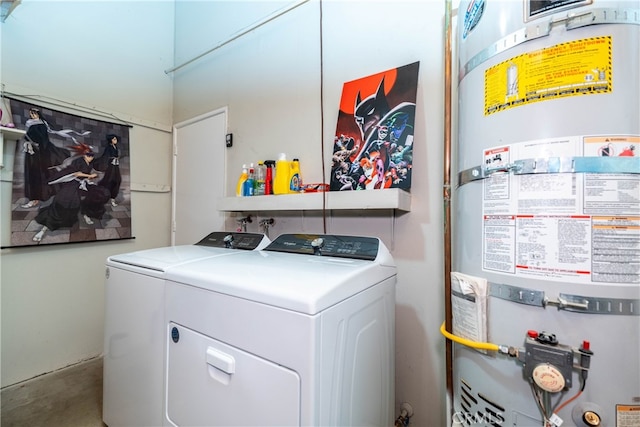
[223,361]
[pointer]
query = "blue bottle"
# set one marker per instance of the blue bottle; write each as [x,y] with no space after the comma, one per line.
[249,186]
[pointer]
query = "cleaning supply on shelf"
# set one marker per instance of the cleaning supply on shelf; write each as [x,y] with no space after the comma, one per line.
[268,177]
[260,179]
[283,175]
[295,180]
[243,177]
[249,184]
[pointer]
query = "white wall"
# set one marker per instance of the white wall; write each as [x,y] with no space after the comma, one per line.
[109,56]
[270,81]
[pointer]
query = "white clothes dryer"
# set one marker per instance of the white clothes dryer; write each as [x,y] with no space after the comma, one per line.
[134,341]
[300,333]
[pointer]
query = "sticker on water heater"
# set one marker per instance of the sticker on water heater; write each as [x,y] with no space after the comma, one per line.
[575,68]
[612,194]
[554,246]
[472,16]
[627,415]
[615,242]
[537,8]
[496,160]
[582,227]
[499,249]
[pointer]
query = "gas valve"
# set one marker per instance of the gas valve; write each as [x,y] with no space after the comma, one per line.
[547,362]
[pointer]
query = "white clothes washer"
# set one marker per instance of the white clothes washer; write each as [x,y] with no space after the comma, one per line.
[134,340]
[300,333]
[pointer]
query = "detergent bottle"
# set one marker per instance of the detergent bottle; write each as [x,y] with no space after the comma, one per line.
[283,175]
[295,180]
[243,177]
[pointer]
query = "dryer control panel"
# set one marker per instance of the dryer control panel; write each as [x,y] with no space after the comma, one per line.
[356,247]
[232,240]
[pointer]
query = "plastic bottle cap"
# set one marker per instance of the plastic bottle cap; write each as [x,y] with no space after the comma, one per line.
[532,334]
[282,156]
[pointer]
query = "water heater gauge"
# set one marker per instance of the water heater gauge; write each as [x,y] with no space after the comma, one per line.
[548,378]
[547,363]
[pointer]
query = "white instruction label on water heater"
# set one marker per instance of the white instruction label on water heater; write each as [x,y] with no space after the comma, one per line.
[583,227]
[627,415]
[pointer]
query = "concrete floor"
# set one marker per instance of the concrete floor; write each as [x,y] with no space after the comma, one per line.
[70,397]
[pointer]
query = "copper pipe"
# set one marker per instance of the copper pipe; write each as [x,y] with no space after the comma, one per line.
[447,195]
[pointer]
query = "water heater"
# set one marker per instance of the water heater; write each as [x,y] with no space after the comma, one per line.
[546,226]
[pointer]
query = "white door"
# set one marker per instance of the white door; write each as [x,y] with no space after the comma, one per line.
[199,172]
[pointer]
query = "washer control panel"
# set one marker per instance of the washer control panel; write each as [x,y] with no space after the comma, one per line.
[356,247]
[232,240]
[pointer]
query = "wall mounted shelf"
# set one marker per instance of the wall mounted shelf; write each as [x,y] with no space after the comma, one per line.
[391,198]
[12,133]
[6,135]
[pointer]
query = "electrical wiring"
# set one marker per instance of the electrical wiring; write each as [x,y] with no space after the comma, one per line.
[567,402]
[539,403]
[559,408]
[467,342]
[560,399]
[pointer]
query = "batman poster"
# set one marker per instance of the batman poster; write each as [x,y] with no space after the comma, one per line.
[373,143]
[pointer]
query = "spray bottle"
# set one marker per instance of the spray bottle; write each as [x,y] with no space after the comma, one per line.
[268,177]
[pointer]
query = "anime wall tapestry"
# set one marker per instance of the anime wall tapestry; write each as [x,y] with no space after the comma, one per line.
[70,178]
[373,144]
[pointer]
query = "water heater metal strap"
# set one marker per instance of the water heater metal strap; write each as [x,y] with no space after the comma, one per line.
[517,294]
[593,305]
[607,165]
[534,31]
[574,303]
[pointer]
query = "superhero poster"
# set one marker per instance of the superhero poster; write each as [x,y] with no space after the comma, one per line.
[70,178]
[373,144]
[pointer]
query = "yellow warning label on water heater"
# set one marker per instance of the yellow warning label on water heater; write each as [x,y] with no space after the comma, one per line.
[574,68]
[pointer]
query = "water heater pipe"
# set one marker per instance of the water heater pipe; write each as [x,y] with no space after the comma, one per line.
[446,190]
[470,343]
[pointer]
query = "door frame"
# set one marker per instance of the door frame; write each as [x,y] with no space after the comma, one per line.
[174,162]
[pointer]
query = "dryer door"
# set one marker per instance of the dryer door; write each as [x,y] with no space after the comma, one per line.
[210,383]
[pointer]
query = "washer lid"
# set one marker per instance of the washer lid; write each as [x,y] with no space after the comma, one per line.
[294,281]
[215,244]
[159,259]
